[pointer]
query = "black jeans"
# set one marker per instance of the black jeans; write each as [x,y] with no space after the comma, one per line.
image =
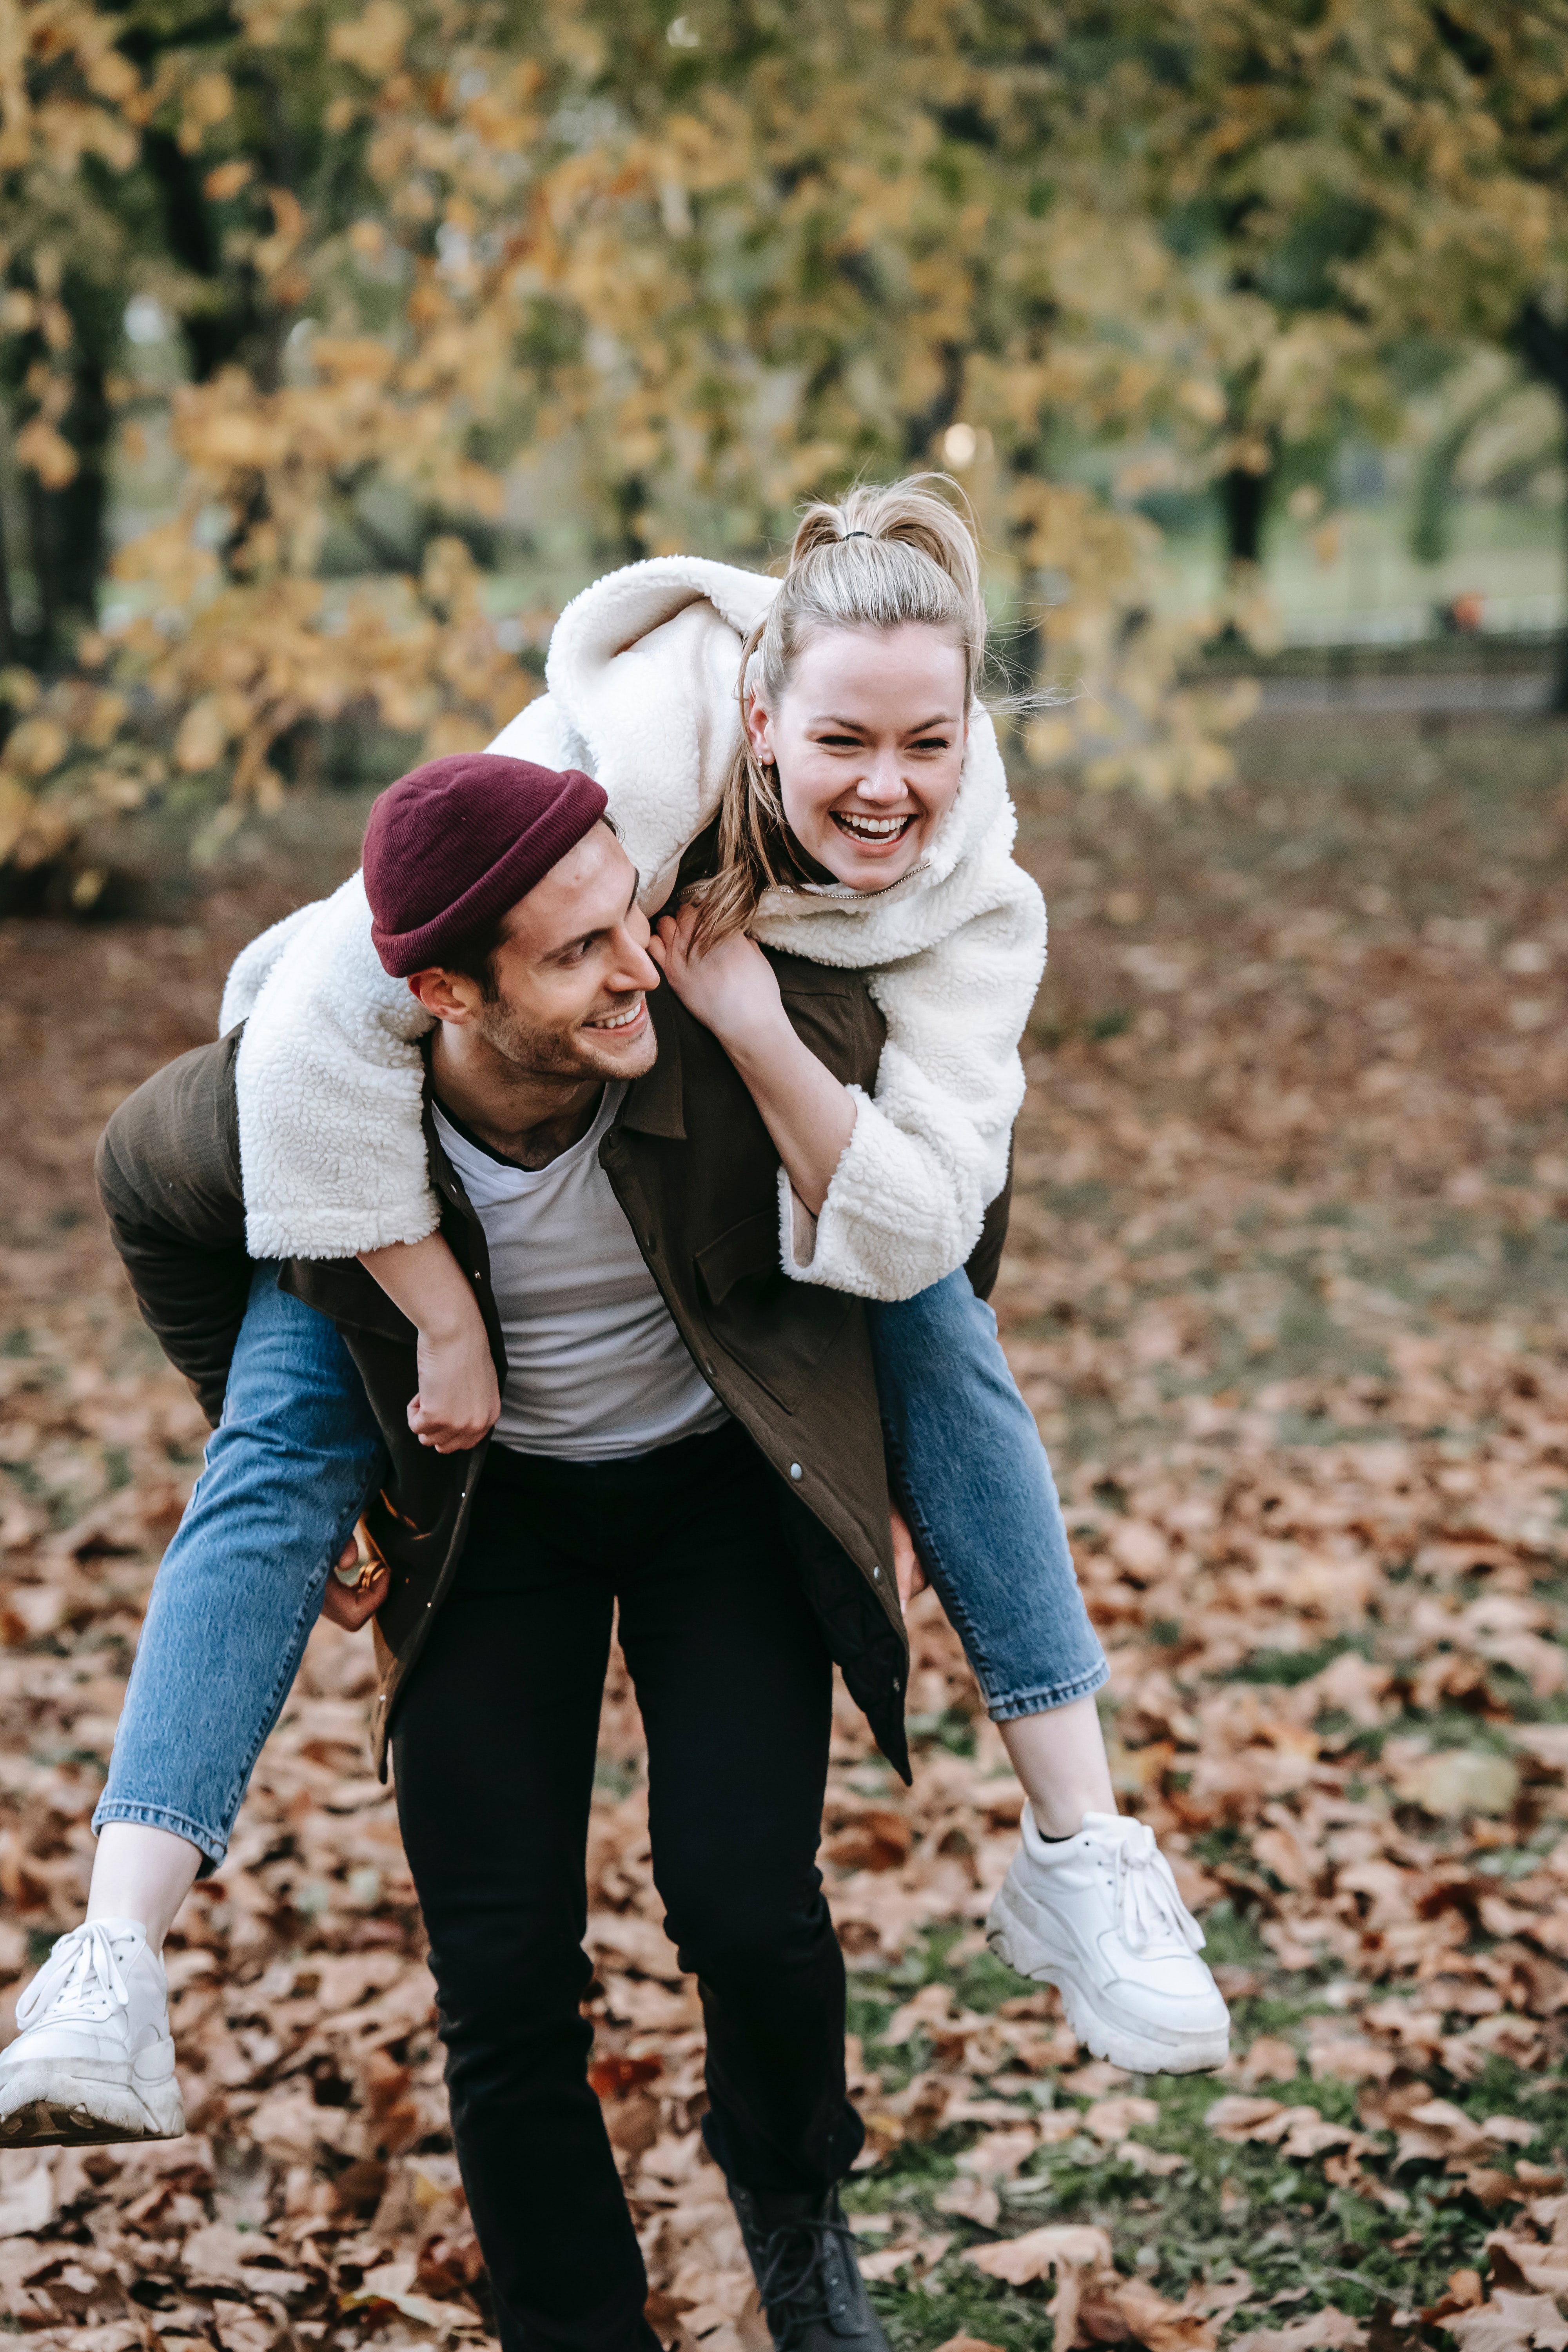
[494,1747]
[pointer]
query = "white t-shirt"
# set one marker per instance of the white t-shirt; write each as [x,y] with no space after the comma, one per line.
[595,1368]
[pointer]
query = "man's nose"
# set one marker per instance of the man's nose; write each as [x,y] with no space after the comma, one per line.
[882,780]
[635,968]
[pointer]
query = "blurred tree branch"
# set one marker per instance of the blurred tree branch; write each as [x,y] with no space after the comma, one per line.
[411,243]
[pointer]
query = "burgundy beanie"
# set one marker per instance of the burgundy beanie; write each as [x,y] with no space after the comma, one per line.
[454,844]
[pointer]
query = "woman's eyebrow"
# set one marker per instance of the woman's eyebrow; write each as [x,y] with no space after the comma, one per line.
[857,726]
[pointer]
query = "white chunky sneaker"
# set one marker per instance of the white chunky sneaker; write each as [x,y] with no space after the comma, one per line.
[1097,1915]
[92,2060]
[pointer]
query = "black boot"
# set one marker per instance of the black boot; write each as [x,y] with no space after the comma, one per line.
[803,2252]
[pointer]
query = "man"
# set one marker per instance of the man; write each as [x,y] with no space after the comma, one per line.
[683,1432]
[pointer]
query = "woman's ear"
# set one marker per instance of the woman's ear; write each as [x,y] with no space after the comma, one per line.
[757,731]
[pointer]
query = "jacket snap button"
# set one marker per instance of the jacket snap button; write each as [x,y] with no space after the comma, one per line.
[875,1573]
[794,1469]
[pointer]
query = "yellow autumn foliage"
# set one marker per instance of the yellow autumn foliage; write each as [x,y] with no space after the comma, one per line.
[699,268]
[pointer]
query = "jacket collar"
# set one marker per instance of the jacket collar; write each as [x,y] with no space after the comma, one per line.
[654,1104]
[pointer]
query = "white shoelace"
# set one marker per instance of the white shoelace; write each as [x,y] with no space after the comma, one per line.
[1149,1908]
[80,1978]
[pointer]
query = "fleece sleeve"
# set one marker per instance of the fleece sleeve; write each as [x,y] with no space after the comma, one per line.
[929,1152]
[330,1081]
[330,1076]
[543,732]
[253,966]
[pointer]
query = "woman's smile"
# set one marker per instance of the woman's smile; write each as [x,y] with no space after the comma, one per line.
[874,832]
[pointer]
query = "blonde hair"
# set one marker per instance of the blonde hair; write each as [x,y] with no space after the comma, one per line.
[880,558]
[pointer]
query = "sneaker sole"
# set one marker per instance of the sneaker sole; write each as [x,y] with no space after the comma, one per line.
[63,2115]
[1105,2037]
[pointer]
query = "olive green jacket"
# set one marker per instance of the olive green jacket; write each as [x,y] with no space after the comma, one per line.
[695,1170]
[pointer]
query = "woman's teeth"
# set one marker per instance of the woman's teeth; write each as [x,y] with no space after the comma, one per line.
[872,828]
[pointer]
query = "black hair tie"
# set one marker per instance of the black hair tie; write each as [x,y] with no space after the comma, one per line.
[857,534]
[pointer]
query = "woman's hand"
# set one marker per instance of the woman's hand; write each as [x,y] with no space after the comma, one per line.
[460,1396]
[353,1605]
[731,989]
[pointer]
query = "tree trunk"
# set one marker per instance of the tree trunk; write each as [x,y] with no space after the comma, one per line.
[216,332]
[1244,506]
[68,529]
[8,637]
[1244,500]
[1543,341]
[628,498]
[921,430]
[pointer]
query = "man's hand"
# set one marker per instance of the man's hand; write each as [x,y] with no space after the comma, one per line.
[731,989]
[345,1604]
[911,1576]
[460,1396]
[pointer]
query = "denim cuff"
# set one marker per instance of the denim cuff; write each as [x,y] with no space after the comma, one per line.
[1008,1710]
[211,1845]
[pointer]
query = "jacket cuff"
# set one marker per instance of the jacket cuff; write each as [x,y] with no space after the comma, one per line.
[797,1226]
[888,1227]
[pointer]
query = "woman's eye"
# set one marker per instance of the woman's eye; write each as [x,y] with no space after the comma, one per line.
[930,744]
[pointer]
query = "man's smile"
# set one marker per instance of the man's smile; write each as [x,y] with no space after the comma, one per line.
[618,1024]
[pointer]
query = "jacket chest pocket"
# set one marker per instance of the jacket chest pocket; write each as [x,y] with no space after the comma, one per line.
[778,1330]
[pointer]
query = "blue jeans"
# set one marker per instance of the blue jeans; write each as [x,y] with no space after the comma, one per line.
[288,1471]
[298,1454]
[976,1488]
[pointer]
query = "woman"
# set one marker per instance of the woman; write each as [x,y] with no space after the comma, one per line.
[850,807]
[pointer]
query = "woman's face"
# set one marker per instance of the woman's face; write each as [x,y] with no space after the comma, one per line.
[868,739]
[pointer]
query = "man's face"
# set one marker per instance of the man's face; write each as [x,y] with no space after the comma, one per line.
[571,975]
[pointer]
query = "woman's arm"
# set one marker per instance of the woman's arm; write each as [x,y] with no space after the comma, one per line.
[460,1396]
[732,992]
[899,1183]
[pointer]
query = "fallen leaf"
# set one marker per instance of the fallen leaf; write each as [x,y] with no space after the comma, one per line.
[1508,2322]
[1271,2059]
[1330,2330]
[1041,2253]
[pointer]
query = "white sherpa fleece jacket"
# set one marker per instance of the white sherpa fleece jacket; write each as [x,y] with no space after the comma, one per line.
[641,693]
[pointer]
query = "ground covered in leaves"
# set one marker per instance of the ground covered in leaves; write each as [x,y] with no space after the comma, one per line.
[1289,1291]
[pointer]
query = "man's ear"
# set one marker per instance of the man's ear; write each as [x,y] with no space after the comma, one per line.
[445,995]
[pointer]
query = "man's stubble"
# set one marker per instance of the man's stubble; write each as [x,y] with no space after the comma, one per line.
[567,1054]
